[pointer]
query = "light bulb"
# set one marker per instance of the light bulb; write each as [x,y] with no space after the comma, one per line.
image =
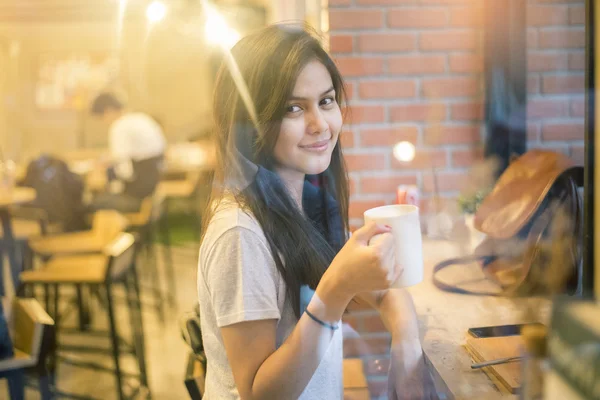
[404,151]
[156,11]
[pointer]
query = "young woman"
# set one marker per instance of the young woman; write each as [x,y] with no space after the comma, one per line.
[277,226]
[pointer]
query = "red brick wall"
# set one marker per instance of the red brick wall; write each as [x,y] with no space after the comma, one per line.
[556,75]
[414,73]
[409,64]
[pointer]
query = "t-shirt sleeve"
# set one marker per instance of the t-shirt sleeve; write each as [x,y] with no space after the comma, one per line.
[242,278]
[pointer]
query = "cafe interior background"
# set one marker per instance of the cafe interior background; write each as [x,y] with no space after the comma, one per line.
[437,89]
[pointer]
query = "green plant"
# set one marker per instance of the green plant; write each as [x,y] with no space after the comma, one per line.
[470,203]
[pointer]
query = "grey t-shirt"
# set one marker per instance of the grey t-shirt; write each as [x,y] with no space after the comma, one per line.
[239,281]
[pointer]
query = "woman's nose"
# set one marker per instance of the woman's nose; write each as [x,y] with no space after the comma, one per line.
[316,123]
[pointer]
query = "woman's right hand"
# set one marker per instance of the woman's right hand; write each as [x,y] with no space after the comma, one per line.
[365,263]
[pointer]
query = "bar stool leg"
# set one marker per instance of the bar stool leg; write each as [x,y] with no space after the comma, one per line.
[168,259]
[156,287]
[135,314]
[114,340]
[16,384]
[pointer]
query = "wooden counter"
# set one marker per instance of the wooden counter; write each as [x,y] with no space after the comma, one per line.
[444,319]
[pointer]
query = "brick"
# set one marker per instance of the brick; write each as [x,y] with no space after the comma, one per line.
[559,1]
[543,62]
[542,108]
[533,132]
[577,108]
[418,112]
[377,366]
[466,63]
[577,61]
[388,136]
[578,154]
[532,38]
[573,38]
[449,87]
[355,347]
[452,134]
[424,159]
[358,207]
[359,66]
[466,158]
[361,114]
[355,19]
[385,185]
[533,84]
[447,181]
[347,139]
[563,131]
[352,186]
[576,15]
[373,323]
[445,2]
[560,84]
[349,90]
[547,15]
[438,41]
[383,2]
[466,17]
[365,162]
[334,3]
[387,42]
[557,147]
[417,64]
[340,43]
[417,18]
[469,111]
[388,89]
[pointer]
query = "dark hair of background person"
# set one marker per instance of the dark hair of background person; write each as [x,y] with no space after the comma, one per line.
[105,101]
[270,61]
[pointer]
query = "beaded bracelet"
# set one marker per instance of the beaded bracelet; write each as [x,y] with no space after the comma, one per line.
[325,324]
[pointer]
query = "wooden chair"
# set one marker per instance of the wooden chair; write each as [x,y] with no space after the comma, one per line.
[33,342]
[101,272]
[106,225]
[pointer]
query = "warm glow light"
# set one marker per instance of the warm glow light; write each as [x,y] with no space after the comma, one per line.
[217,31]
[156,11]
[404,151]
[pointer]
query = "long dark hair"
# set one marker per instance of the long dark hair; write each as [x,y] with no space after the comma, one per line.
[269,61]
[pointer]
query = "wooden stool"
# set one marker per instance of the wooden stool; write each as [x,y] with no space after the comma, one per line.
[101,272]
[33,342]
[106,225]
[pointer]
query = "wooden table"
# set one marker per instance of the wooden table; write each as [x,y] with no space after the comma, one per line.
[444,319]
[8,198]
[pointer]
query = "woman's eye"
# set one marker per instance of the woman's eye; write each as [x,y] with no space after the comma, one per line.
[327,101]
[293,109]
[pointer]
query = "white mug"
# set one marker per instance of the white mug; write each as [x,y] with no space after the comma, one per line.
[408,245]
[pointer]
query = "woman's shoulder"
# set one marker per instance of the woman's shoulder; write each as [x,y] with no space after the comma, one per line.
[228,215]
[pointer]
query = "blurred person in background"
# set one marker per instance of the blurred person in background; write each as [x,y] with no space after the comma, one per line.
[137,145]
[276,269]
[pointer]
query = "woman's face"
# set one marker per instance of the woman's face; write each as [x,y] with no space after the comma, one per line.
[310,127]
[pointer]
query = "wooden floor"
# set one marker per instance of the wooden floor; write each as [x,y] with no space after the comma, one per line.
[165,349]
